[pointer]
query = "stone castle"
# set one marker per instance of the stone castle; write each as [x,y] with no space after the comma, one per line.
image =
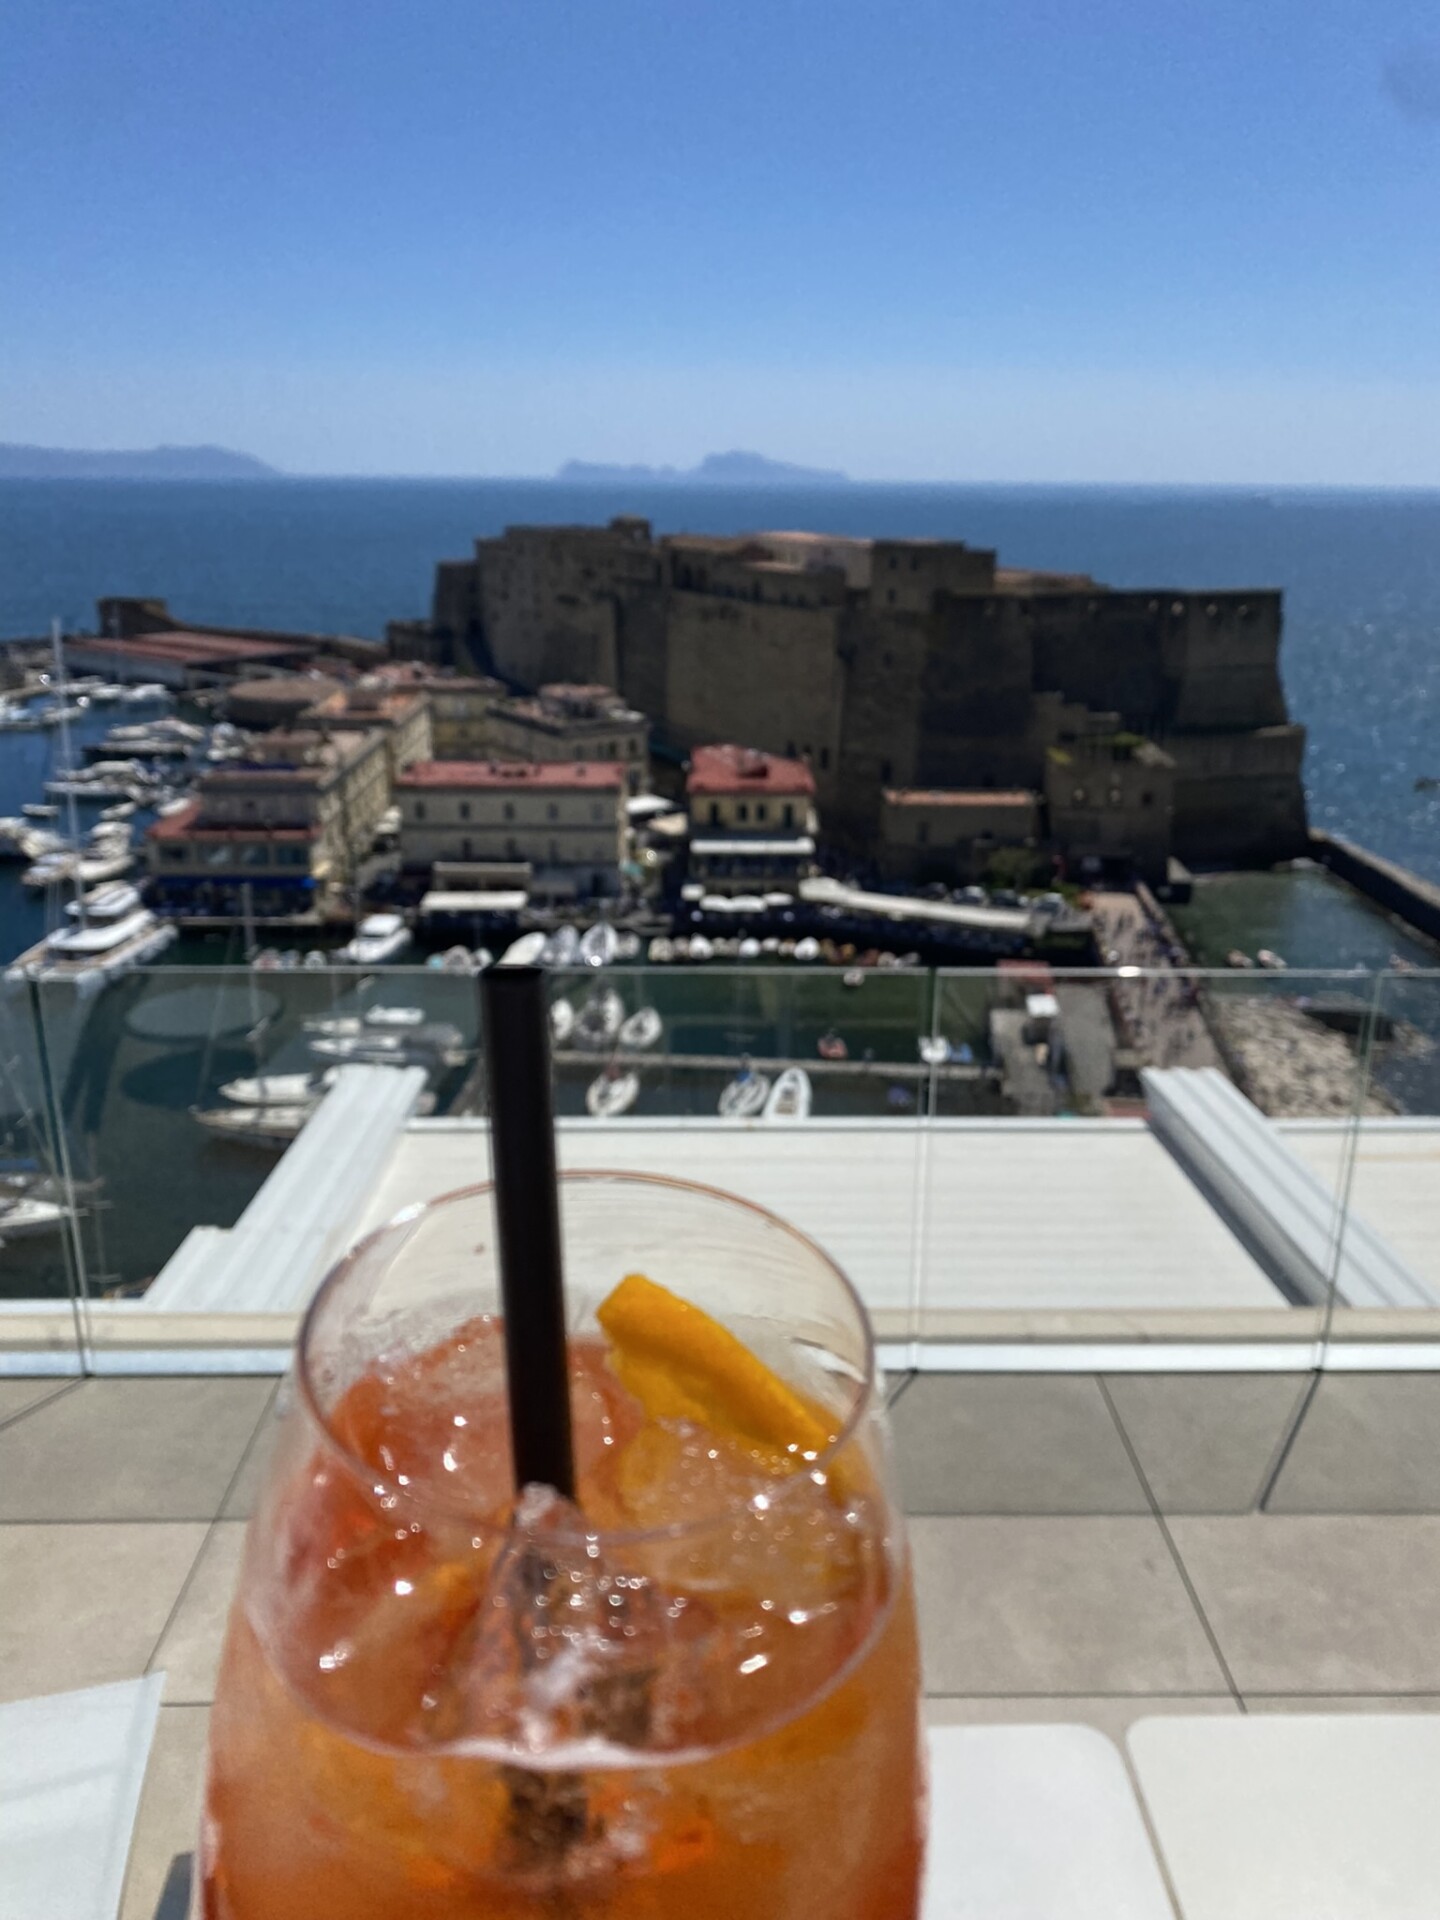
[894,665]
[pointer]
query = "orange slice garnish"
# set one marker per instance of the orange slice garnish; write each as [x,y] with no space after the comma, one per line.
[682,1365]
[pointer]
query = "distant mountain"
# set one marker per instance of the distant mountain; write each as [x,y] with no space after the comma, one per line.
[155,463]
[715,470]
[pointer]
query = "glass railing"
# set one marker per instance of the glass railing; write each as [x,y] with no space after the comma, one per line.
[1223,1169]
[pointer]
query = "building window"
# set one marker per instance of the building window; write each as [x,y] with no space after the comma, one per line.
[890,593]
[789,816]
[824,759]
[552,812]
[464,809]
[419,809]
[509,809]
[742,813]
[922,834]
[555,852]
[597,812]
[1147,799]
[885,771]
[714,813]
[893,564]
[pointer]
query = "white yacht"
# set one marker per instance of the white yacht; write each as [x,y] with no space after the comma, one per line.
[641,1030]
[745,1096]
[790,1096]
[340,1026]
[379,937]
[563,948]
[23,1218]
[612,1093]
[562,1021]
[807,950]
[279,1089]
[598,945]
[599,1021]
[524,952]
[109,931]
[701,948]
[272,1128]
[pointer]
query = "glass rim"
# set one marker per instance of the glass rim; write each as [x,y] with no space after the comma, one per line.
[771,1487]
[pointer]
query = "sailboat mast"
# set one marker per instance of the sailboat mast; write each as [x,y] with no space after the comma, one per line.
[67,764]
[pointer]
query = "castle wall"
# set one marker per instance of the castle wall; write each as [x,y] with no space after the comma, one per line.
[1238,796]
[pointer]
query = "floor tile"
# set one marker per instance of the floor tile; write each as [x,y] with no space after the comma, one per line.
[1056,1605]
[240,1501]
[154,1449]
[169,1817]
[83,1604]
[1370,1443]
[1012,1443]
[1111,1714]
[1320,1604]
[1205,1441]
[190,1651]
[23,1396]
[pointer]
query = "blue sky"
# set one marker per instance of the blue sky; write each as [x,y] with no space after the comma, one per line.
[1120,240]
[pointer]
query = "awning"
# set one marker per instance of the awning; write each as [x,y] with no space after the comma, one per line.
[472,903]
[802,847]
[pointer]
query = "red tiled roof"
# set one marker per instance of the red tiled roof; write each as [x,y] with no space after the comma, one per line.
[181,826]
[188,649]
[731,769]
[512,773]
[959,797]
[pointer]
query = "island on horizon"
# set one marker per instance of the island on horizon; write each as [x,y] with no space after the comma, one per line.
[152,463]
[735,469]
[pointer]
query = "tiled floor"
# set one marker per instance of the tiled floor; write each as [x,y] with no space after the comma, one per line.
[1085,1549]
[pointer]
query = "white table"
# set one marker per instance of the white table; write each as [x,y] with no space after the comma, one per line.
[1036,1823]
[71,1769]
[1296,1816]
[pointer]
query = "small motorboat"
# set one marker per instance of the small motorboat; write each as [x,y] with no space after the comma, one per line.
[22,1217]
[315,960]
[701,948]
[641,1030]
[562,1021]
[1398,964]
[749,948]
[278,1089]
[853,977]
[807,950]
[40,810]
[378,938]
[524,952]
[627,946]
[272,1128]
[1271,960]
[267,960]
[562,949]
[394,1016]
[598,945]
[599,1021]
[660,952]
[934,1050]
[831,1046]
[789,1097]
[612,1093]
[1240,961]
[453,960]
[744,1097]
[121,810]
[480,959]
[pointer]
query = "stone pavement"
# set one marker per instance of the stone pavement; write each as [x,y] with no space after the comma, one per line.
[1162,1016]
[1086,1548]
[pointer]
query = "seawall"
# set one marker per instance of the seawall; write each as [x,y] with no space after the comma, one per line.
[1392,887]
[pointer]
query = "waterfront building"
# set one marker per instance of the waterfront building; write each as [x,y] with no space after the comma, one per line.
[290,821]
[752,820]
[400,714]
[181,661]
[460,707]
[573,723]
[277,700]
[897,664]
[950,834]
[565,821]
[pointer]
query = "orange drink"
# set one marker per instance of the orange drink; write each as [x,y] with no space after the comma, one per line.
[691,1694]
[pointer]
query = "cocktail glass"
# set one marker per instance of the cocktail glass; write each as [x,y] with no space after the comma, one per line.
[693,1694]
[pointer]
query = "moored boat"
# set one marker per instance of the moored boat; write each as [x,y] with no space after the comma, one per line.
[378,938]
[790,1097]
[744,1097]
[641,1030]
[611,1093]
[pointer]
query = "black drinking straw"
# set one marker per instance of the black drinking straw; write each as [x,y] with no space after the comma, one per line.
[527,1217]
